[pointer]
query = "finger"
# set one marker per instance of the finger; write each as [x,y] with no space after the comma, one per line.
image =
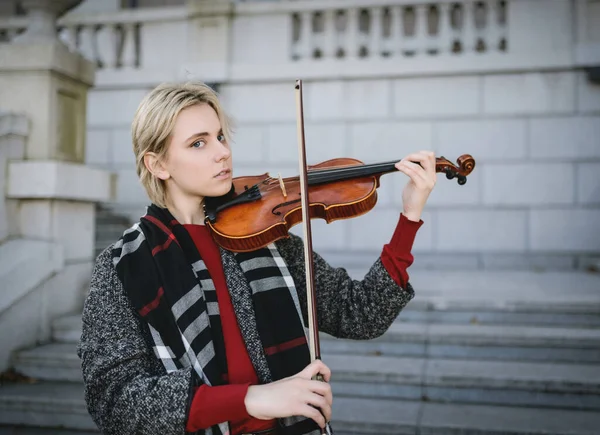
[321,388]
[426,159]
[313,413]
[415,172]
[314,368]
[320,402]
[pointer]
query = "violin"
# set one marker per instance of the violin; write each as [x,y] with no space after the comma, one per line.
[261,209]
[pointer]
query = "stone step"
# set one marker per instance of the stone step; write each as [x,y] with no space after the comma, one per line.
[45,404]
[475,341]
[465,381]
[546,309]
[574,386]
[494,342]
[61,405]
[24,430]
[354,416]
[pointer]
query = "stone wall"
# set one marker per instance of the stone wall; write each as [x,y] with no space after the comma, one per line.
[532,202]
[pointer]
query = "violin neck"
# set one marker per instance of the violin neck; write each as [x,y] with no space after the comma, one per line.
[319,176]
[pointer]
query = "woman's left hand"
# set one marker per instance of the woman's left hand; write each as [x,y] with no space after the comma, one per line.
[421,183]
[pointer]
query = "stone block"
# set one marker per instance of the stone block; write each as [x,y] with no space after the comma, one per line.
[280,139]
[249,144]
[485,140]
[528,184]
[259,102]
[527,262]
[436,97]
[375,142]
[476,230]
[249,39]
[374,229]
[449,261]
[64,293]
[512,94]
[588,94]
[564,230]
[69,223]
[328,236]
[54,179]
[115,107]
[323,141]
[449,192]
[588,183]
[97,147]
[576,138]
[129,189]
[359,99]
[122,147]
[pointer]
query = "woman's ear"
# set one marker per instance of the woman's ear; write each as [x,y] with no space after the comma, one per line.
[155,165]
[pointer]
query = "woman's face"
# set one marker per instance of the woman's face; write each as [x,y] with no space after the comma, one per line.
[198,159]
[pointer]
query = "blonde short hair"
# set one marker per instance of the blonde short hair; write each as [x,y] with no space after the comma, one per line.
[153,125]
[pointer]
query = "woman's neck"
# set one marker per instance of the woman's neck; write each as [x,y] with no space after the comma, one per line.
[187,212]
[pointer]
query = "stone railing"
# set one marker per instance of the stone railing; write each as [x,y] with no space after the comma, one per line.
[281,40]
[385,28]
[114,40]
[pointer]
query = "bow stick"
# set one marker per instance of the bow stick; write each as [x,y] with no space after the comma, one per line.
[313,329]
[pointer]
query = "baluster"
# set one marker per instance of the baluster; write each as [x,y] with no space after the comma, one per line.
[364,26]
[445,37]
[394,39]
[305,40]
[129,55]
[398,29]
[317,34]
[352,33]
[295,36]
[468,22]
[481,18]
[421,36]
[87,42]
[491,32]
[409,30]
[108,43]
[67,36]
[329,32]
[502,20]
[432,29]
[376,45]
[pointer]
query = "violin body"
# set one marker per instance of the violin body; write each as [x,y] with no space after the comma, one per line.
[252,225]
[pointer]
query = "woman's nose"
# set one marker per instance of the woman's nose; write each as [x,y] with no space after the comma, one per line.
[223,152]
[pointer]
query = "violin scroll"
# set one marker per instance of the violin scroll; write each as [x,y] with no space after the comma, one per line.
[466,164]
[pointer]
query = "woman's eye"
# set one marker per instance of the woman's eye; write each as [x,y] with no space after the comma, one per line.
[221,138]
[198,144]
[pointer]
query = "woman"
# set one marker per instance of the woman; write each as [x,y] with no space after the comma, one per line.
[182,336]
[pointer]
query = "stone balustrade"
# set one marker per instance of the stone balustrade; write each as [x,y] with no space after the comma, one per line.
[379,29]
[224,41]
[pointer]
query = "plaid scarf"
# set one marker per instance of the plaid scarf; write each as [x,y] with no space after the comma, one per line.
[171,289]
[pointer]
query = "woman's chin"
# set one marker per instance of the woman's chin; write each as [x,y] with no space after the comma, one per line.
[222,188]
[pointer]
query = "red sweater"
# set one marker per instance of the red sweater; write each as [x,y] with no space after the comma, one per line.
[212,405]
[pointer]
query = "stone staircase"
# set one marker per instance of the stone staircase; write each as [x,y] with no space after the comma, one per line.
[109,228]
[518,355]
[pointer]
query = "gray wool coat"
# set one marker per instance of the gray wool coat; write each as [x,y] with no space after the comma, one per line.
[127,389]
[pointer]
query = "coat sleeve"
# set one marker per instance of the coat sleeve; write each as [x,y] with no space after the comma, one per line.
[127,390]
[346,308]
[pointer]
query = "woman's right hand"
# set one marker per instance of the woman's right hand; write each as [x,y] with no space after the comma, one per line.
[296,395]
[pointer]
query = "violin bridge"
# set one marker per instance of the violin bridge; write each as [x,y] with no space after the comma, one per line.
[282,185]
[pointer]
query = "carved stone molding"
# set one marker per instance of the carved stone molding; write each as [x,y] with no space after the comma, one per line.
[42,15]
